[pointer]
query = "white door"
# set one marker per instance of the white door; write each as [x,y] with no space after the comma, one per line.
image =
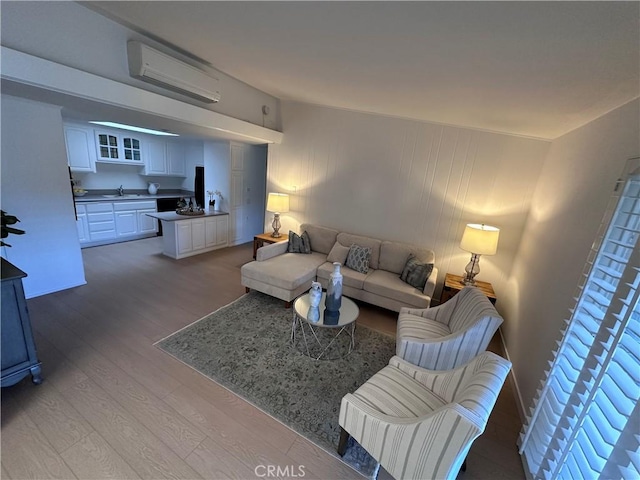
[80,149]
[222,230]
[210,231]
[176,163]
[147,224]
[183,237]
[155,157]
[197,234]
[83,228]
[126,223]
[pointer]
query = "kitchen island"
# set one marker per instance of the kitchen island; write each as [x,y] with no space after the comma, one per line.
[184,235]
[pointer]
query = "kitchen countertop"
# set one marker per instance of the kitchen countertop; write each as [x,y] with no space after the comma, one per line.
[89,197]
[174,217]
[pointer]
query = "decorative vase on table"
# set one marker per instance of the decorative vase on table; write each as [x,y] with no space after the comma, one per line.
[315,295]
[333,300]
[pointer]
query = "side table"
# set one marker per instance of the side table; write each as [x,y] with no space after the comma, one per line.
[266,238]
[453,284]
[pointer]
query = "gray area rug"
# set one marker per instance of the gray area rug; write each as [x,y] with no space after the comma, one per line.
[245,346]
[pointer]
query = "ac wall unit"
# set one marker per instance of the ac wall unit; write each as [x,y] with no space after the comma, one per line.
[160,69]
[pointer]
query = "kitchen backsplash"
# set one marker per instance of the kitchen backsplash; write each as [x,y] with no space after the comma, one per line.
[110,177]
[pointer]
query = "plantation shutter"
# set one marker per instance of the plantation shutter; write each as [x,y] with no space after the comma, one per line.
[585,423]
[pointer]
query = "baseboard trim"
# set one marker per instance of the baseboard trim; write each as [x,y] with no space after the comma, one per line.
[514,382]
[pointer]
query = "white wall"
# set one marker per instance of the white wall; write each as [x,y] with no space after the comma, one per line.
[36,189]
[567,208]
[406,180]
[73,35]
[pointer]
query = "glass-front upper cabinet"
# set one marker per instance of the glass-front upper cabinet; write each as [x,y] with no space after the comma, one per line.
[115,148]
[107,147]
[131,149]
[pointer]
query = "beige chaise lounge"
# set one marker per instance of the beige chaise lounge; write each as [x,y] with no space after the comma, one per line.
[288,275]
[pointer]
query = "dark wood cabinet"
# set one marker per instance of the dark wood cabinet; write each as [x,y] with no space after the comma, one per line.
[19,356]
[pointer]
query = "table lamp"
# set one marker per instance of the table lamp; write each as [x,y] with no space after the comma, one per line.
[277,203]
[478,239]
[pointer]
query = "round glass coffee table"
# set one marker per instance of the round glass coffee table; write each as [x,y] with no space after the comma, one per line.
[319,340]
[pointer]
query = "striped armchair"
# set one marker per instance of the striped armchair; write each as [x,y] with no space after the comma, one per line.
[443,337]
[420,424]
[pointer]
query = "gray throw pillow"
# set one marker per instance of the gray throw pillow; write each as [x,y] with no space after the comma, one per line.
[358,258]
[299,243]
[338,253]
[416,273]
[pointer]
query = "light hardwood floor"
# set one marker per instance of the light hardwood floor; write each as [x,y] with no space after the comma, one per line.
[114,406]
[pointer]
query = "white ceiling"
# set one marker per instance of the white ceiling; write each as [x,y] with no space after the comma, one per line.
[538,69]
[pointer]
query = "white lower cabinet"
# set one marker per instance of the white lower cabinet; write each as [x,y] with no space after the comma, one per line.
[109,222]
[184,238]
[146,224]
[101,222]
[197,234]
[216,231]
[81,223]
[126,223]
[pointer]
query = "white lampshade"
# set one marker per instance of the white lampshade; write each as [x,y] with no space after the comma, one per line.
[480,239]
[278,202]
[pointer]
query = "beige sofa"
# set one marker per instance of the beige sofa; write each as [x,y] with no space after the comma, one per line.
[288,275]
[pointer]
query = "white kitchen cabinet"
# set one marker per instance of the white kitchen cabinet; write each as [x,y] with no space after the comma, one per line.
[101,221]
[216,231]
[126,223]
[183,238]
[147,224]
[198,234]
[176,161]
[222,231]
[81,154]
[115,147]
[81,223]
[155,157]
[109,222]
[193,235]
[190,237]
[164,159]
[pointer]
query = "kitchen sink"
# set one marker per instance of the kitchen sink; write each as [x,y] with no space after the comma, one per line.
[131,195]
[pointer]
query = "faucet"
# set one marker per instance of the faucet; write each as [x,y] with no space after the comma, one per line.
[120,191]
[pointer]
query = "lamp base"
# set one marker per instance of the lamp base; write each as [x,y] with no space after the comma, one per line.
[471,270]
[468,282]
[276,226]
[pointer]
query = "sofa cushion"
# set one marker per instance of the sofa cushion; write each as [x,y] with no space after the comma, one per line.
[416,273]
[338,253]
[358,258]
[388,284]
[299,243]
[287,271]
[393,256]
[347,239]
[350,278]
[322,238]
[394,392]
